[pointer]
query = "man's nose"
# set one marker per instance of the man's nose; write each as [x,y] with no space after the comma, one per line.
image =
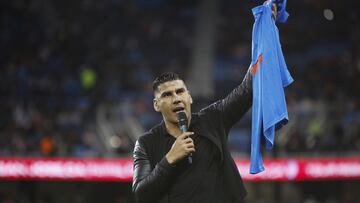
[177,99]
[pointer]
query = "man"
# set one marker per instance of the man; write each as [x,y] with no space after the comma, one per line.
[162,172]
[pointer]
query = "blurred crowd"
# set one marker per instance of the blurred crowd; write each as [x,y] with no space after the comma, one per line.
[60,60]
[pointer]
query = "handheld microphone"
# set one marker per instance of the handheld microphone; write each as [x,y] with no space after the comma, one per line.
[183,123]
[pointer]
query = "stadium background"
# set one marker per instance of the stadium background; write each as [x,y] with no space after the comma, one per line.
[75,82]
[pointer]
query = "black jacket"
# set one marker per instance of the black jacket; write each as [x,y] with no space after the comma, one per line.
[152,172]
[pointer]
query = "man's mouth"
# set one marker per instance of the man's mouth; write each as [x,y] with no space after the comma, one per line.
[178,109]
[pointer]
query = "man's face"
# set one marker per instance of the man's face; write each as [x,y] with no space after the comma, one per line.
[172,97]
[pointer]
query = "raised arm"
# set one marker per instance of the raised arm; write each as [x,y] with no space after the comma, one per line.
[237,103]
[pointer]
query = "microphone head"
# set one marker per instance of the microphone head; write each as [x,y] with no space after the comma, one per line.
[183,121]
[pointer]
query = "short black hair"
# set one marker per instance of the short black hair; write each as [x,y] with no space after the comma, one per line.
[164,77]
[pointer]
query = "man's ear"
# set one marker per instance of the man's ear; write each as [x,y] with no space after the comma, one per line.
[191,100]
[156,105]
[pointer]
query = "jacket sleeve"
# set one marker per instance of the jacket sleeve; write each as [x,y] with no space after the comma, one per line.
[237,103]
[149,185]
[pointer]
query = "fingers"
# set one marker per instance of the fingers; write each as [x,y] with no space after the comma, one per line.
[185,135]
[190,147]
[187,142]
[274,11]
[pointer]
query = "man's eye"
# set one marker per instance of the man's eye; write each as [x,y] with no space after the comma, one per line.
[180,91]
[166,95]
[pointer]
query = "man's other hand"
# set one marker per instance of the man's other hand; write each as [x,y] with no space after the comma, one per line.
[274,11]
[182,147]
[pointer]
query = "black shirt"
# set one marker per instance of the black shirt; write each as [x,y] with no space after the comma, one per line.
[189,185]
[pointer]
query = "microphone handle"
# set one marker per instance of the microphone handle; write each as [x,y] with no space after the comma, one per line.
[183,129]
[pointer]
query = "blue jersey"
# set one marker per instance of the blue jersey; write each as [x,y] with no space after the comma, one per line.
[270,76]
